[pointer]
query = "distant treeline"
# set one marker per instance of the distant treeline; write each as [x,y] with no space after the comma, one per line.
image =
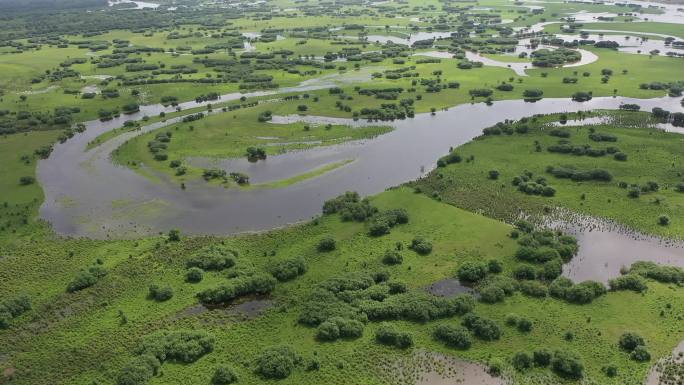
[48,5]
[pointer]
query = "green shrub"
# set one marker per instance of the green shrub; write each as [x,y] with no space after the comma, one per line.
[629,341]
[224,376]
[194,275]
[277,362]
[483,328]
[326,244]
[454,336]
[640,354]
[472,272]
[289,269]
[160,294]
[542,357]
[392,258]
[213,259]
[521,361]
[421,246]
[492,294]
[387,334]
[183,346]
[567,364]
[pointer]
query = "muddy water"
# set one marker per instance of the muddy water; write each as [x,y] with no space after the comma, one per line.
[606,247]
[668,370]
[87,195]
[429,368]
[449,287]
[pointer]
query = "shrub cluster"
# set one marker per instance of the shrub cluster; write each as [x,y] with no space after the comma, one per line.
[277,362]
[85,279]
[212,259]
[13,308]
[581,293]
[338,327]
[289,269]
[454,336]
[255,284]
[387,334]
[483,328]
[567,172]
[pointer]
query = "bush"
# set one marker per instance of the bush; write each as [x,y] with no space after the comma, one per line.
[629,341]
[179,346]
[524,272]
[212,259]
[454,336]
[663,220]
[493,174]
[326,244]
[631,282]
[664,274]
[160,294]
[27,180]
[392,257]
[224,376]
[584,292]
[387,334]
[566,364]
[421,246]
[521,361]
[138,371]
[640,354]
[494,266]
[83,280]
[483,328]
[254,284]
[276,362]
[610,370]
[288,270]
[524,325]
[194,275]
[542,357]
[492,294]
[533,289]
[12,308]
[338,327]
[472,272]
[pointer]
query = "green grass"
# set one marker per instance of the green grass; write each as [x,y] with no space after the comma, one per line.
[78,338]
[227,135]
[652,156]
[308,175]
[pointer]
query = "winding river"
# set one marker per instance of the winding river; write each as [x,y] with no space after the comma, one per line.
[87,195]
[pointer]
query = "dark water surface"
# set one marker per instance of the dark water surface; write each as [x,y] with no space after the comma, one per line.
[87,195]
